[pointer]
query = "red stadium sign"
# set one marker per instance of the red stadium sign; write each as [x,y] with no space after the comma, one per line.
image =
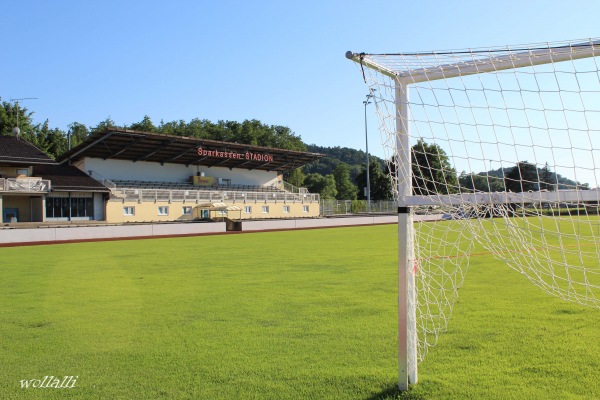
[248,155]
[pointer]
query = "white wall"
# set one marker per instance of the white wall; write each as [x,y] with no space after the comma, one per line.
[70,233]
[150,171]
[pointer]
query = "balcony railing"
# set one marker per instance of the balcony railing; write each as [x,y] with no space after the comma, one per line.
[25,185]
[201,196]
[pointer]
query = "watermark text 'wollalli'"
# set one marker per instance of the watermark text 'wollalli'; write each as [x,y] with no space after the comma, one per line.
[50,382]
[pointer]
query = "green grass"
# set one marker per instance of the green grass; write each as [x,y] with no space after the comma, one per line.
[283,315]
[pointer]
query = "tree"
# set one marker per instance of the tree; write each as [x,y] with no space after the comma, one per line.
[324,185]
[481,182]
[346,190]
[381,187]
[8,118]
[296,177]
[145,125]
[329,191]
[103,125]
[547,179]
[52,141]
[431,170]
[77,133]
[334,155]
[522,178]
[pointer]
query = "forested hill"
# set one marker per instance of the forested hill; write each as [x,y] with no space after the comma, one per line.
[334,155]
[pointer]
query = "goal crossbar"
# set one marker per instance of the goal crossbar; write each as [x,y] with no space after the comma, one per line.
[479,65]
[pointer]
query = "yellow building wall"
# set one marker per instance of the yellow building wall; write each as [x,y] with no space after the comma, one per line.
[149,211]
[277,210]
[146,211]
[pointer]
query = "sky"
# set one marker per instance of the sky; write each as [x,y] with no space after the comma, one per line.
[281,62]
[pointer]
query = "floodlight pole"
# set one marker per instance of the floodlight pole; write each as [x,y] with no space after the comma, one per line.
[407,265]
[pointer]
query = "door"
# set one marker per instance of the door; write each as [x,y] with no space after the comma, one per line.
[10,215]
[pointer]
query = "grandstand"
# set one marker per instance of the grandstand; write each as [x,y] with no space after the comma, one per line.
[154,177]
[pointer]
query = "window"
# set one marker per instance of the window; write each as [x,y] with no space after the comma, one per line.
[163,210]
[286,209]
[22,171]
[128,211]
[247,209]
[265,209]
[187,210]
[305,208]
[74,207]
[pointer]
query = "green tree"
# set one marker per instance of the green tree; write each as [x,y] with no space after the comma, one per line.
[52,141]
[8,118]
[346,190]
[108,123]
[145,125]
[432,172]
[547,179]
[324,185]
[481,182]
[522,178]
[381,187]
[329,191]
[296,177]
[78,133]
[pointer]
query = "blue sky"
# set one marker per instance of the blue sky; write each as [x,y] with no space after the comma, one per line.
[281,62]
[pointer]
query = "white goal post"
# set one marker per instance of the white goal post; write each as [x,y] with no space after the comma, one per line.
[531,110]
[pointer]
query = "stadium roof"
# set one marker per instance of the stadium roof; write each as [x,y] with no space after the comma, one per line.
[123,144]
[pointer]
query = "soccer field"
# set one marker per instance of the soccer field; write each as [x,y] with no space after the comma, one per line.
[306,314]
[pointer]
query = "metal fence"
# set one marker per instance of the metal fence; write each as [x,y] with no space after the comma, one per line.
[341,207]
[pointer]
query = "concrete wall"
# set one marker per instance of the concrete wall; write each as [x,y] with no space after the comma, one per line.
[76,233]
[249,226]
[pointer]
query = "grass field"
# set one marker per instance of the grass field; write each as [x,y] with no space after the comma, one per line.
[282,315]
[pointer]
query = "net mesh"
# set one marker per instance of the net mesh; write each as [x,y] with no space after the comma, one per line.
[505,152]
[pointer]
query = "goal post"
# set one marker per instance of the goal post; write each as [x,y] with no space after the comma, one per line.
[446,119]
[407,328]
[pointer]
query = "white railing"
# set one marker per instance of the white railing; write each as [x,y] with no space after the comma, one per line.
[105,181]
[30,185]
[209,196]
[293,189]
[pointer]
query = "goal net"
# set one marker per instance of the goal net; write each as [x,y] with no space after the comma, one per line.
[498,148]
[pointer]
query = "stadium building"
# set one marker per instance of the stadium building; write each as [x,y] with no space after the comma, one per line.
[154,177]
[35,188]
[121,176]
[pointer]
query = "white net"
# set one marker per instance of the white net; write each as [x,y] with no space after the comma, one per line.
[505,151]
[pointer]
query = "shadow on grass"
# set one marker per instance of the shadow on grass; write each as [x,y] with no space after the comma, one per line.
[392,393]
